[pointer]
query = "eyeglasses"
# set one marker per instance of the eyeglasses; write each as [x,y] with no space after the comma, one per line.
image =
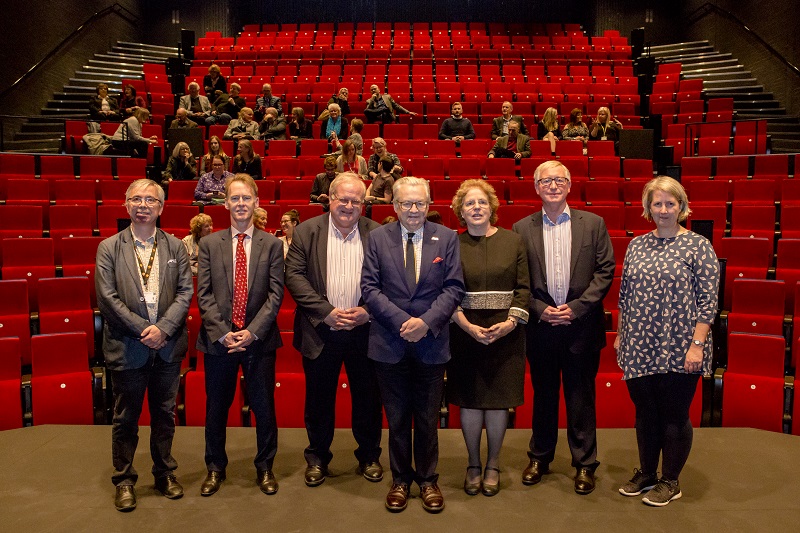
[346,202]
[406,206]
[558,181]
[149,201]
[236,199]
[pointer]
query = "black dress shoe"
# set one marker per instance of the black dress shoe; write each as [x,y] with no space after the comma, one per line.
[470,488]
[584,480]
[371,471]
[397,499]
[315,475]
[212,483]
[534,472]
[168,486]
[266,481]
[489,489]
[125,499]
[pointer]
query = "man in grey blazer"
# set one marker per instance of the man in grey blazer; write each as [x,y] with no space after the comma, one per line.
[196,104]
[500,124]
[239,291]
[571,265]
[331,327]
[144,287]
[513,143]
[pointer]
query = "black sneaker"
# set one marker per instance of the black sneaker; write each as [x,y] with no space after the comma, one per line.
[664,492]
[640,483]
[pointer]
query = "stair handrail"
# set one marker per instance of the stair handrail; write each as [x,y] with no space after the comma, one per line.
[705,9]
[120,10]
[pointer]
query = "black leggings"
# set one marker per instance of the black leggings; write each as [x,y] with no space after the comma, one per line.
[662,420]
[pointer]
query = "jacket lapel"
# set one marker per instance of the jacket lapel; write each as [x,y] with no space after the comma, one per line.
[322,250]
[226,253]
[538,241]
[430,247]
[577,240]
[397,250]
[129,256]
[255,252]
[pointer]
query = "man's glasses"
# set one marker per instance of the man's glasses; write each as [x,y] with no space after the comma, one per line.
[548,181]
[406,206]
[149,201]
[346,202]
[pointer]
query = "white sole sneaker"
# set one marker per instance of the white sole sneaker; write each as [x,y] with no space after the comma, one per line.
[661,504]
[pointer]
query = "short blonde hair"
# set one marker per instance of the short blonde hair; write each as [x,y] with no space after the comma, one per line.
[547,165]
[670,186]
[236,86]
[213,68]
[144,183]
[197,223]
[247,179]
[488,190]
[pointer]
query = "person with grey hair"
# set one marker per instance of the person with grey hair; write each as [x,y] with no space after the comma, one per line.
[226,106]
[379,152]
[411,283]
[500,124]
[182,120]
[335,126]
[267,101]
[243,127]
[181,165]
[273,125]
[128,139]
[144,288]
[331,327]
[196,104]
[512,145]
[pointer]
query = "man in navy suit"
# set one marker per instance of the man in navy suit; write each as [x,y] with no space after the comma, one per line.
[411,283]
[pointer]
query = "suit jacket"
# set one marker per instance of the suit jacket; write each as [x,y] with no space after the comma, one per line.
[523,144]
[393,106]
[307,280]
[497,126]
[391,302]
[591,272]
[186,103]
[121,300]
[215,291]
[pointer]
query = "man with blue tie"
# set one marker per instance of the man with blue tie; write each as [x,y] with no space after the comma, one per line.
[411,283]
[239,291]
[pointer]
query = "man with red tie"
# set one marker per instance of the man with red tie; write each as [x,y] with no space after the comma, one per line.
[239,291]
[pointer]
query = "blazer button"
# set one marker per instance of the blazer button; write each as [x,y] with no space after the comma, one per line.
[141,299]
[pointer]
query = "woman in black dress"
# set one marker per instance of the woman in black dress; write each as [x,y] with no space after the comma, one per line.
[486,373]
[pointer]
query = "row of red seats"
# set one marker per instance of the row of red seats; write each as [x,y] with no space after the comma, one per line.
[494,28]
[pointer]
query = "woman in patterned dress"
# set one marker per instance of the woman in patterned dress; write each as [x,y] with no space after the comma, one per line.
[667,303]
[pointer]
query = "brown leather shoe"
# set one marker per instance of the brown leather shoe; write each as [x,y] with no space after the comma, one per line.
[371,471]
[584,480]
[125,499]
[315,475]
[212,483]
[432,499]
[266,481]
[397,499]
[533,474]
[168,486]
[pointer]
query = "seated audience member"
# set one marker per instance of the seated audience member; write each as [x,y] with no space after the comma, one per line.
[604,128]
[181,165]
[576,130]
[226,106]
[300,126]
[128,137]
[211,186]
[379,149]
[129,102]
[388,220]
[383,108]
[456,128]
[243,127]
[214,149]
[260,218]
[213,82]
[435,217]
[334,127]
[350,161]
[273,126]
[380,190]
[289,221]
[356,125]
[265,101]
[514,144]
[247,161]
[103,108]
[181,120]
[200,226]
[341,98]
[548,129]
[322,183]
[500,124]
[197,105]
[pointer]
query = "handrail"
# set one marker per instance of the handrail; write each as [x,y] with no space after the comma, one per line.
[706,8]
[114,8]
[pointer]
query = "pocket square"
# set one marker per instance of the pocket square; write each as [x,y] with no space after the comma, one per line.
[438,260]
[172,261]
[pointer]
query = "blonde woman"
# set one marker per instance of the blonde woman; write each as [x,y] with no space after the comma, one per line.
[214,82]
[200,226]
[549,130]
[605,128]
[247,161]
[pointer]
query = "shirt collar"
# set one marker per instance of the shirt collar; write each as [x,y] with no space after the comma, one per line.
[248,231]
[150,240]
[563,217]
[417,234]
[338,234]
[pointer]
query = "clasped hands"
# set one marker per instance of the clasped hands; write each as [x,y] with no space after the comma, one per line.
[558,316]
[237,341]
[489,335]
[346,319]
[152,337]
[413,329]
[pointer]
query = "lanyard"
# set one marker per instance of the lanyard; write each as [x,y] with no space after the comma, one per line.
[146,271]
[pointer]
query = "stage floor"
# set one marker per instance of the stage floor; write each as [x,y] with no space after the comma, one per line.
[57,478]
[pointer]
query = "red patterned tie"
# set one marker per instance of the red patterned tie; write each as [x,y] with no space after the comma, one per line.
[240,284]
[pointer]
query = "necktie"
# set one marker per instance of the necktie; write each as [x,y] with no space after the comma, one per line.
[411,264]
[240,284]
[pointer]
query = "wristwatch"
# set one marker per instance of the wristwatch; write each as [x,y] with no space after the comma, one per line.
[698,343]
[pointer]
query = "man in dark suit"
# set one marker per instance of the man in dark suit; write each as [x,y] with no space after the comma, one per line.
[412,283]
[500,124]
[331,327]
[571,266]
[144,287]
[239,291]
[382,107]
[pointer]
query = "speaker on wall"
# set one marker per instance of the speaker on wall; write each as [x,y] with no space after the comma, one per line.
[187,43]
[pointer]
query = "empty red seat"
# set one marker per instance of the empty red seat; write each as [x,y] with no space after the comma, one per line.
[28,259]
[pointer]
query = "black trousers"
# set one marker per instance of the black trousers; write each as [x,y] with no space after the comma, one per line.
[549,369]
[663,427]
[221,382]
[322,383]
[376,115]
[160,379]
[412,394]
